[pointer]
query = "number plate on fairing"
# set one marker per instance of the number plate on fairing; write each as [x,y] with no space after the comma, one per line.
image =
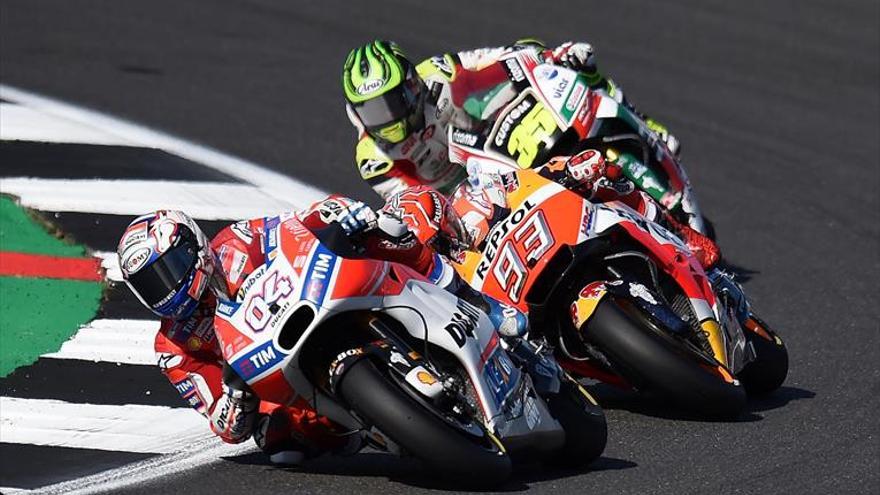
[525,131]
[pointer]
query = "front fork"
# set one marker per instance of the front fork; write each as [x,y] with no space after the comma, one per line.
[736,318]
[545,372]
[725,286]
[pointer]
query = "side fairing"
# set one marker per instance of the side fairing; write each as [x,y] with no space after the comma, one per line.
[432,314]
[544,217]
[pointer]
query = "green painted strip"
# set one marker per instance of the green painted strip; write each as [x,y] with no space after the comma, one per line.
[38,315]
[22,233]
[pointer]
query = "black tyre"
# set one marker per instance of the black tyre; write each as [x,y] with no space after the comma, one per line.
[652,361]
[586,431]
[477,463]
[770,367]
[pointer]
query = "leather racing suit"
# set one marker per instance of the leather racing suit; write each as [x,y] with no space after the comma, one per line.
[465,90]
[190,357]
[481,201]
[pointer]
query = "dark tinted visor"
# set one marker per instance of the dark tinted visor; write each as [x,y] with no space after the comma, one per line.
[390,107]
[163,277]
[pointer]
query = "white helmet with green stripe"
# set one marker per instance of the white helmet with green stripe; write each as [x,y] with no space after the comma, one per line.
[384,91]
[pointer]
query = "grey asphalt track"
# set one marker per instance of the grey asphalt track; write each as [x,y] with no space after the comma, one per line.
[777,105]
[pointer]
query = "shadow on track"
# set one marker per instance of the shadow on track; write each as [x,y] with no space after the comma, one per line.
[741,274]
[411,473]
[779,398]
[613,398]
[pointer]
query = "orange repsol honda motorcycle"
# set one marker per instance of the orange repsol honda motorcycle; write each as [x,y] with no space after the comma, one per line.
[621,299]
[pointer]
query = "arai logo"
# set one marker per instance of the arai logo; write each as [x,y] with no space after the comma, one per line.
[369,86]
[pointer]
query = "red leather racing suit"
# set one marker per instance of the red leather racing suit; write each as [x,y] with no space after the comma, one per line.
[190,356]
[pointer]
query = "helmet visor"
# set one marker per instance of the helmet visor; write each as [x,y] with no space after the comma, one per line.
[454,227]
[390,109]
[159,280]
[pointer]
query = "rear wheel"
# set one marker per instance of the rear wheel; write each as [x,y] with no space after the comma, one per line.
[653,361]
[586,431]
[770,367]
[476,462]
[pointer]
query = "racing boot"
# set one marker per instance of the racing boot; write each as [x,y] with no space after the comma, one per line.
[509,322]
[290,436]
[704,249]
[272,436]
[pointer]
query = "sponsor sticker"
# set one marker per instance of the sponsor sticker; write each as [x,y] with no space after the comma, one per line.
[136,260]
[369,86]
[514,70]
[513,116]
[575,96]
[463,137]
[642,292]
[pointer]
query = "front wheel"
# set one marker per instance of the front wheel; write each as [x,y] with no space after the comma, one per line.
[586,431]
[650,360]
[477,462]
[770,366]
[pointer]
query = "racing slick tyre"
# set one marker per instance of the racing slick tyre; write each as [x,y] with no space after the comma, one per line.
[381,403]
[651,360]
[770,366]
[586,431]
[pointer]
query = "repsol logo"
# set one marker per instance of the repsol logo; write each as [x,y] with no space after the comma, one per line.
[511,118]
[498,233]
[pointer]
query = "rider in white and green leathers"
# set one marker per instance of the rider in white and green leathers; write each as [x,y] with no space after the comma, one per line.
[402,111]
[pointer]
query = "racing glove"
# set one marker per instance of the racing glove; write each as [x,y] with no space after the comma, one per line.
[356,217]
[233,414]
[588,172]
[576,56]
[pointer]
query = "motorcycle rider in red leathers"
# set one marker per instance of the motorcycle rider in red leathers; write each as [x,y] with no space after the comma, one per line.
[171,267]
[402,111]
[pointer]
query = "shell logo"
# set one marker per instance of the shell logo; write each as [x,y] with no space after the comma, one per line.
[426,378]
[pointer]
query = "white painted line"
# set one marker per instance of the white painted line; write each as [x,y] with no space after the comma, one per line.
[128,428]
[199,453]
[113,341]
[189,452]
[110,264]
[18,122]
[207,200]
[278,185]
